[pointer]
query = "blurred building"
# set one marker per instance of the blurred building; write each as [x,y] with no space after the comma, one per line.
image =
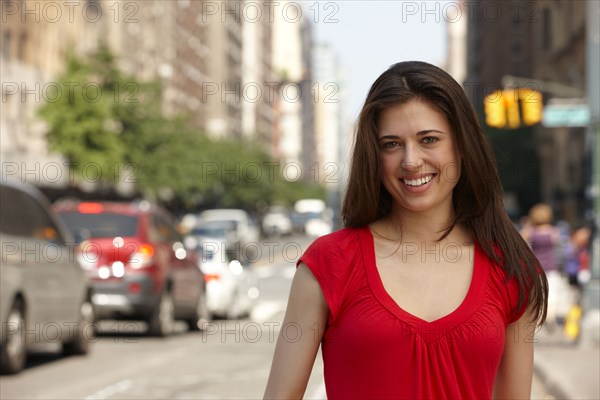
[35,39]
[308,156]
[329,123]
[331,129]
[456,28]
[559,63]
[223,94]
[293,136]
[536,45]
[236,68]
[499,43]
[258,89]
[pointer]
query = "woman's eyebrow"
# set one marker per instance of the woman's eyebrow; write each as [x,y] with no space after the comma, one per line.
[389,137]
[426,131]
[420,133]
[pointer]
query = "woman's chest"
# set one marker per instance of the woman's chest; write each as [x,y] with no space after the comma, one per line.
[427,285]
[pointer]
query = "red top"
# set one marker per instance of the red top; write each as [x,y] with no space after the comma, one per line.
[373,349]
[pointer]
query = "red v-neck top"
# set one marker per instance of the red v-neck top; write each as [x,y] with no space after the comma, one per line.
[373,349]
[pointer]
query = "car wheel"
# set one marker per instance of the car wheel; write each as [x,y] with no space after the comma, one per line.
[201,316]
[84,331]
[162,320]
[13,352]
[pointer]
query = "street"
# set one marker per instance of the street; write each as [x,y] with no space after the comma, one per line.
[231,359]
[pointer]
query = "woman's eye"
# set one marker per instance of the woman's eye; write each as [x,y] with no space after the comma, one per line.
[430,139]
[389,145]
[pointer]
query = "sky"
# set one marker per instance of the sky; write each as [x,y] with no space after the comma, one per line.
[369,36]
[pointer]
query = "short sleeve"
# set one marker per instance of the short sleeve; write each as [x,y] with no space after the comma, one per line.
[329,258]
[508,291]
[514,313]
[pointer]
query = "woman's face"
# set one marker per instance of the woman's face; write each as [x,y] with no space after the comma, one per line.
[420,159]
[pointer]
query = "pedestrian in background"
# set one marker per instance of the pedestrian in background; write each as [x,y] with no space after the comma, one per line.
[545,240]
[429,291]
[577,269]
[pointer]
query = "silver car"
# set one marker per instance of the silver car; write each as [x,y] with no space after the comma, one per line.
[45,296]
[231,289]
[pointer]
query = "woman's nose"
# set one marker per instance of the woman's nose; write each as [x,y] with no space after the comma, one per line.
[412,159]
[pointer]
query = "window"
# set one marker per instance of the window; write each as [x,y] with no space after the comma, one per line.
[22,215]
[102,225]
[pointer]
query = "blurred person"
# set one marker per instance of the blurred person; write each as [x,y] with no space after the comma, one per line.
[577,257]
[545,240]
[581,243]
[577,269]
[429,291]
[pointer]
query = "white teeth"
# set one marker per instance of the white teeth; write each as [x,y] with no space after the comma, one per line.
[418,181]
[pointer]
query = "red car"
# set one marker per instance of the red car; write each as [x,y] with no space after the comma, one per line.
[138,264]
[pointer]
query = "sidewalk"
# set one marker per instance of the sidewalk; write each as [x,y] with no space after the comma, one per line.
[568,371]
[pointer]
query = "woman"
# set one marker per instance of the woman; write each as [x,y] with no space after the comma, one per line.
[429,291]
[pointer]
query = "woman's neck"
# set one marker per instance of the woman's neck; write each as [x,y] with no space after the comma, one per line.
[426,227]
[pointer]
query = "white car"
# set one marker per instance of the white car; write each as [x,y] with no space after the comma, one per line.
[242,234]
[277,222]
[315,216]
[246,231]
[231,289]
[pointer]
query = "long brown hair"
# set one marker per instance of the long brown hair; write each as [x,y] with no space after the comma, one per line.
[477,196]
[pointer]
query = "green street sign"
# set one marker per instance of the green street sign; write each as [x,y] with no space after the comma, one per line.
[566,115]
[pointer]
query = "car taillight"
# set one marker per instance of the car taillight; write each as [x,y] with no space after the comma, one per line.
[211,277]
[90,208]
[143,257]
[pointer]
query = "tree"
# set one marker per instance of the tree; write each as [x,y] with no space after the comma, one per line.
[82,123]
[114,122]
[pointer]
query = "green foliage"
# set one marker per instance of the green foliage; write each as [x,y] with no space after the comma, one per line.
[124,126]
[81,121]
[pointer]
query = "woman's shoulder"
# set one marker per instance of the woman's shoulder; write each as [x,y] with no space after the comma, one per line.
[503,284]
[338,244]
[331,259]
[340,236]
[341,245]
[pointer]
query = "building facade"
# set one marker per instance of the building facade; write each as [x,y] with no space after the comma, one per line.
[559,54]
[234,69]
[535,45]
[35,40]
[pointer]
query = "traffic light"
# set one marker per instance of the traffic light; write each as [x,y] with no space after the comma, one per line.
[531,106]
[495,114]
[511,108]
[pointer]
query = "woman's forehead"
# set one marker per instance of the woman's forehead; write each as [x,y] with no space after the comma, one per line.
[411,118]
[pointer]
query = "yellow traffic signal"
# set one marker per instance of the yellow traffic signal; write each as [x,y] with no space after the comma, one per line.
[531,106]
[511,104]
[502,108]
[495,114]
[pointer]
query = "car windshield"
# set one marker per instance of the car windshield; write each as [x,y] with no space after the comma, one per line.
[215,232]
[103,225]
[216,229]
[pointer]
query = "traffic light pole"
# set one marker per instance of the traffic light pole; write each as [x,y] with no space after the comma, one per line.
[591,295]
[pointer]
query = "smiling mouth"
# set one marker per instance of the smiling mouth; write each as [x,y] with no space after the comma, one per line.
[418,181]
